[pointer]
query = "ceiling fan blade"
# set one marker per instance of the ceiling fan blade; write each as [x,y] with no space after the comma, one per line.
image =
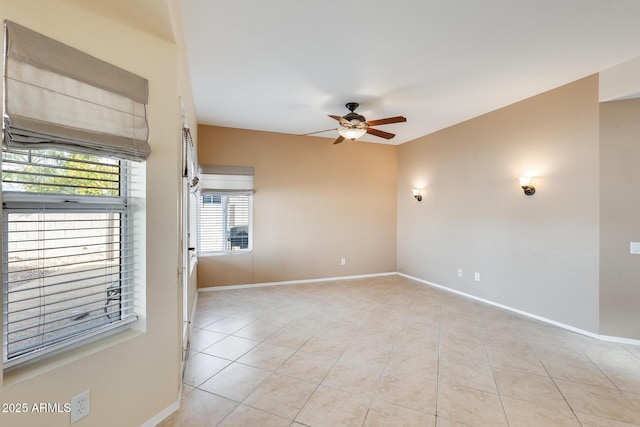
[381,134]
[342,120]
[339,140]
[320,131]
[388,120]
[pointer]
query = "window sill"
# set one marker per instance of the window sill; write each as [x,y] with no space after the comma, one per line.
[32,369]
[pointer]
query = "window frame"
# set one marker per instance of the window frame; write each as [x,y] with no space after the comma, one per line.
[224,195]
[33,202]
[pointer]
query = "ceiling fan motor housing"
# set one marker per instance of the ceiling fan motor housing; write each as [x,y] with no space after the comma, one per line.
[351,106]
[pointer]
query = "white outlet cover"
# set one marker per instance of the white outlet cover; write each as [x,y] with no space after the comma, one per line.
[80,406]
[477,277]
[634,248]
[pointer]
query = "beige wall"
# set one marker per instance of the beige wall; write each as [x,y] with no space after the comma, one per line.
[314,204]
[132,376]
[620,218]
[538,254]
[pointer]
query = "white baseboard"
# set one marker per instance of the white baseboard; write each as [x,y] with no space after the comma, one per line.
[608,338]
[292,282]
[160,416]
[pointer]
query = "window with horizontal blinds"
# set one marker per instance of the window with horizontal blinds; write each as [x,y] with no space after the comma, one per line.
[224,222]
[68,249]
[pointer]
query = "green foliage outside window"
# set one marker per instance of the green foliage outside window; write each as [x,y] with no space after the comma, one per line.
[52,171]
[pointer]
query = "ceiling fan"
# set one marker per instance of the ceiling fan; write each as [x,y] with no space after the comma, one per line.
[354,125]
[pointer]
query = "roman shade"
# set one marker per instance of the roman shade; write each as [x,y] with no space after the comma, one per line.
[226,179]
[59,97]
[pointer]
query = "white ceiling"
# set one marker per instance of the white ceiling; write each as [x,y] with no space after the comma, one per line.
[284,65]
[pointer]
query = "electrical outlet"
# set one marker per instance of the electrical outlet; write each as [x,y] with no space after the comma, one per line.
[80,406]
[459,272]
[343,261]
[477,277]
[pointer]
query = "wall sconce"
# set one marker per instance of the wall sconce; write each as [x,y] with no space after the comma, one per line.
[525,183]
[416,194]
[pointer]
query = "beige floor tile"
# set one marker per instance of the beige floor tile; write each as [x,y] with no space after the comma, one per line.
[360,382]
[413,363]
[444,422]
[576,371]
[517,361]
[532,388]
[474,407]
[465,375]
[613,355]
[557,350]
[464,334]
[244,416]
[203,319]
[230,347]
[202,338]
[380,340]
[522,413]
[370,357]
[308,367]
[411,339]
[415,393]
[593,421]
[200,367]
[384,414]
[266,356]
[227,325]
[235,382]
[634,349]
[290,337]
[634,397]
[186,389]
[600,401]
[328,407]
[470,353]
[281,395]
[624,379]
[258,330]
[326,345]
[200,409]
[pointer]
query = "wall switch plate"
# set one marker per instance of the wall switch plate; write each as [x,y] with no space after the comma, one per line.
[459,272]
[477,277]
[80,406]
[634,248]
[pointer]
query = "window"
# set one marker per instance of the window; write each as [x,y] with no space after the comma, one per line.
[75,135]
[67,253]
[224,222]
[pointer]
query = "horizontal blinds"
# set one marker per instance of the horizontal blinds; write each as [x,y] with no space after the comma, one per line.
[65,274]
[67,255]
[224,222]
[58,96]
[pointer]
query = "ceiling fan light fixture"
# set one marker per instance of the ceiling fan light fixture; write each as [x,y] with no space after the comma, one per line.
[351,133]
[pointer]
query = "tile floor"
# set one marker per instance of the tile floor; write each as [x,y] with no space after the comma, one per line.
[388,351]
